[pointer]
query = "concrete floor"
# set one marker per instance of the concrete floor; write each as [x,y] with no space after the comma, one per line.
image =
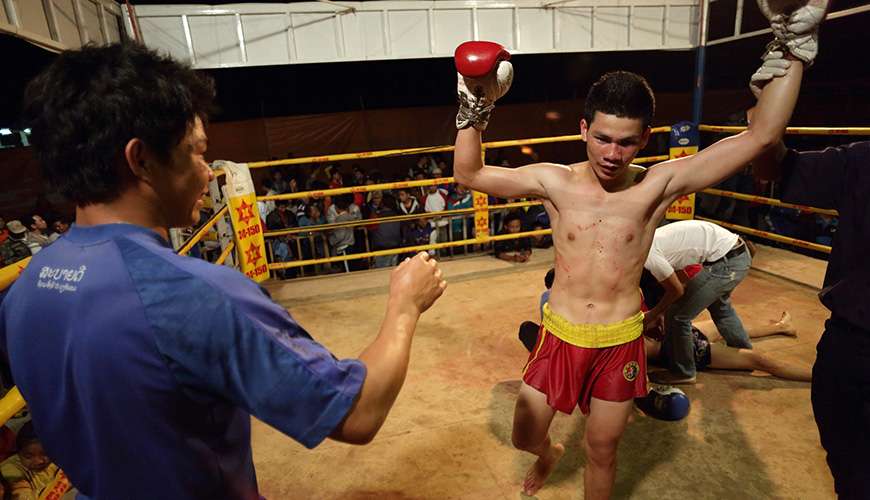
[748,435]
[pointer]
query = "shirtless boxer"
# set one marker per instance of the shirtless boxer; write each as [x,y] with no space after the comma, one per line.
[603,213]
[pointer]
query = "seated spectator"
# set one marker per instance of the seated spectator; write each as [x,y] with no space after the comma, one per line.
[281,218]
[30,473]
[312,217]
[419,233]
[312,246]
[461,198]
[4,231]
[18,232]
[38,231]
[517,249]
[537,218]
[14,248]
[60,227]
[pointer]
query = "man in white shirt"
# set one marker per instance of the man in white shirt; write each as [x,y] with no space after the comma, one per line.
[725,258]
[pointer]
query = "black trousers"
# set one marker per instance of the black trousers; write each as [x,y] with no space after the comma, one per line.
[841,404]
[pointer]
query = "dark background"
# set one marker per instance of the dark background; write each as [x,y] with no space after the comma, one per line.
[269,91]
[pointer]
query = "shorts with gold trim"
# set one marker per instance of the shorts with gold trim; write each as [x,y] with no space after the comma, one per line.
[573,363]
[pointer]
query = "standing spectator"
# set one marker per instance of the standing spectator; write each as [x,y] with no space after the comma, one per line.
[517,249]
[4,231]
[278,183]
[407,205]
[335,179]
[343,210]
[436,201]
[461,198]
[266,207]
[14,248]
[384,236]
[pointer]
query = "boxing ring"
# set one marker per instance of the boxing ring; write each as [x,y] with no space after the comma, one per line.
[449,434]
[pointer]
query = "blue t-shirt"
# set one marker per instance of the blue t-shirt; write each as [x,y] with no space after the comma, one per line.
[141,368]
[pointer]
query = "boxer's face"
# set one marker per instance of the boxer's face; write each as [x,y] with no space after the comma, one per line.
[612,142]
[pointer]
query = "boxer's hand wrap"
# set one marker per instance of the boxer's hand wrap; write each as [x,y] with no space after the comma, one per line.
[775,64]
[796,29]
[483,76]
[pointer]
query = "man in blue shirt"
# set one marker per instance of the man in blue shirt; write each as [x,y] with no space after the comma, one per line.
[142,381]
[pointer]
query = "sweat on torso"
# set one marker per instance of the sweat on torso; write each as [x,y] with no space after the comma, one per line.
[601,242]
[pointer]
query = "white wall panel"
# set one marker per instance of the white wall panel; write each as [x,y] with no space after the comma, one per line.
[575,28]
[409,33]
[647,24]
[452,27]
[315,37]
[91,21]
[610,28]
[391,29]
[266,39]
[165,34]
[497,25]
[215,40]
[64,14]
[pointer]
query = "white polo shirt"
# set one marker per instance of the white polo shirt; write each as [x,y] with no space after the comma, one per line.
[687,242]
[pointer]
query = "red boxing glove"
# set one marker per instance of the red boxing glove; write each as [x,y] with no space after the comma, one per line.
[477,59]
[484,75]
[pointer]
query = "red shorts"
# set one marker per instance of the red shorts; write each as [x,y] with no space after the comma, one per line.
[571,375]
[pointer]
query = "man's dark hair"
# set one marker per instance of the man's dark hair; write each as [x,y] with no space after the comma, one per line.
[549,278]
[621,93]
[343,201]
[512,216]
[26,435]
[86,106]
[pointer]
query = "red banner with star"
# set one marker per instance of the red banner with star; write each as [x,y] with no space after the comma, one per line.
[481,215]
[683,142]
[246,221]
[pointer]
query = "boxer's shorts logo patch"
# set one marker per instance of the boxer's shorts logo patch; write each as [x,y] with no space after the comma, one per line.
[630,371]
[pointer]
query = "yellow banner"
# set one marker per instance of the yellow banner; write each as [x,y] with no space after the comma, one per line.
[245,216]
[684,207]
[10,273]
[481,215]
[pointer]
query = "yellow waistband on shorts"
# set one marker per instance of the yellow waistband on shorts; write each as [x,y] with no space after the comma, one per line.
[592,334]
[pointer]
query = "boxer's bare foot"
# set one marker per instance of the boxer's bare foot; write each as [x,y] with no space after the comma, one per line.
[541,469]
[785,324]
